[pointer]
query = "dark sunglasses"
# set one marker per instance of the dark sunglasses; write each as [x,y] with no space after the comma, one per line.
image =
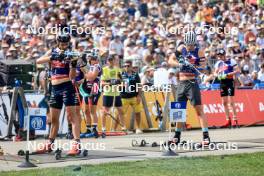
[126,66]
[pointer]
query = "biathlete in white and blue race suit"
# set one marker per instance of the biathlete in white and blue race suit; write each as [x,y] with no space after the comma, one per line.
[190,60]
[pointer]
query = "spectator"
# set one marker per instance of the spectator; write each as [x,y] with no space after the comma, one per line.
[143,8]
[207,78]
[116,46]
[261,73]
[147,25]
[148,77]
[208,13]
[255,78]
[247,62]
[245,78]
[172,76]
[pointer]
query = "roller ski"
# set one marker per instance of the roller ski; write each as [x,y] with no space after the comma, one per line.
[89,134]
[59,154]
[95,133]
[75,151]
[200,145]
[103,135]
[143,143]
[48,148]
[173,142]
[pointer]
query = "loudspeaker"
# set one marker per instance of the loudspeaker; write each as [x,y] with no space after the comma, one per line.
[16,66]
[9,80]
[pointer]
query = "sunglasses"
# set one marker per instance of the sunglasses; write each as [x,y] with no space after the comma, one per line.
[126,66]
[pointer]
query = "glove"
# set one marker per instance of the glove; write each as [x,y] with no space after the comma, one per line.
[56,56]
[193,60]
[81,63]
[115,82]
[181,62]
[222,76]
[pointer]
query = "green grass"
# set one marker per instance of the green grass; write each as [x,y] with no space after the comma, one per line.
[233,165]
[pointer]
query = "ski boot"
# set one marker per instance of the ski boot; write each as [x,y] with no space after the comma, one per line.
[235,124]
[69,135]
[103,134]
[95,133]
[75,149]
[228,124]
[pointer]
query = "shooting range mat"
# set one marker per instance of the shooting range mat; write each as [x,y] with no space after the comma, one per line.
[50,157]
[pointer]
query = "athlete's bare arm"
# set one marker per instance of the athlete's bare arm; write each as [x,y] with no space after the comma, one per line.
[45,58]
[173,62]
[236,70]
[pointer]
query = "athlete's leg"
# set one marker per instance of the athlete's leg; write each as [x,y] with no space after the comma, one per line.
[55,114]
[137,119]
[180,97]
[224,93]
[232,104]
[226,108]
[120,118]
[107,104]
[71,101]
[137,106]
[88,118]
[93,101]
[118,105]
[194,95]
[201,116]
[48,120]
[106,111]
[94,114]
[75,119]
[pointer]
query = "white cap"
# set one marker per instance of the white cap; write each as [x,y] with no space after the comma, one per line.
[246,67]
[138,42]
[172,70]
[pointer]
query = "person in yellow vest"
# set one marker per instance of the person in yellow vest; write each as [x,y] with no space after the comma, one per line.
[110,81]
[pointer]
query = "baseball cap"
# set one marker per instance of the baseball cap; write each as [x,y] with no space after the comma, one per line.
[220,51]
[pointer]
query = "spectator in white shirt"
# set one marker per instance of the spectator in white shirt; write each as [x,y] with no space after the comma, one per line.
[129,50]
[116,46]
[138,50]
[172,76]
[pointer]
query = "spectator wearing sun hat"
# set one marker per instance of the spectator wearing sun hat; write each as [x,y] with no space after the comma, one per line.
[117,46]
[148,77]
